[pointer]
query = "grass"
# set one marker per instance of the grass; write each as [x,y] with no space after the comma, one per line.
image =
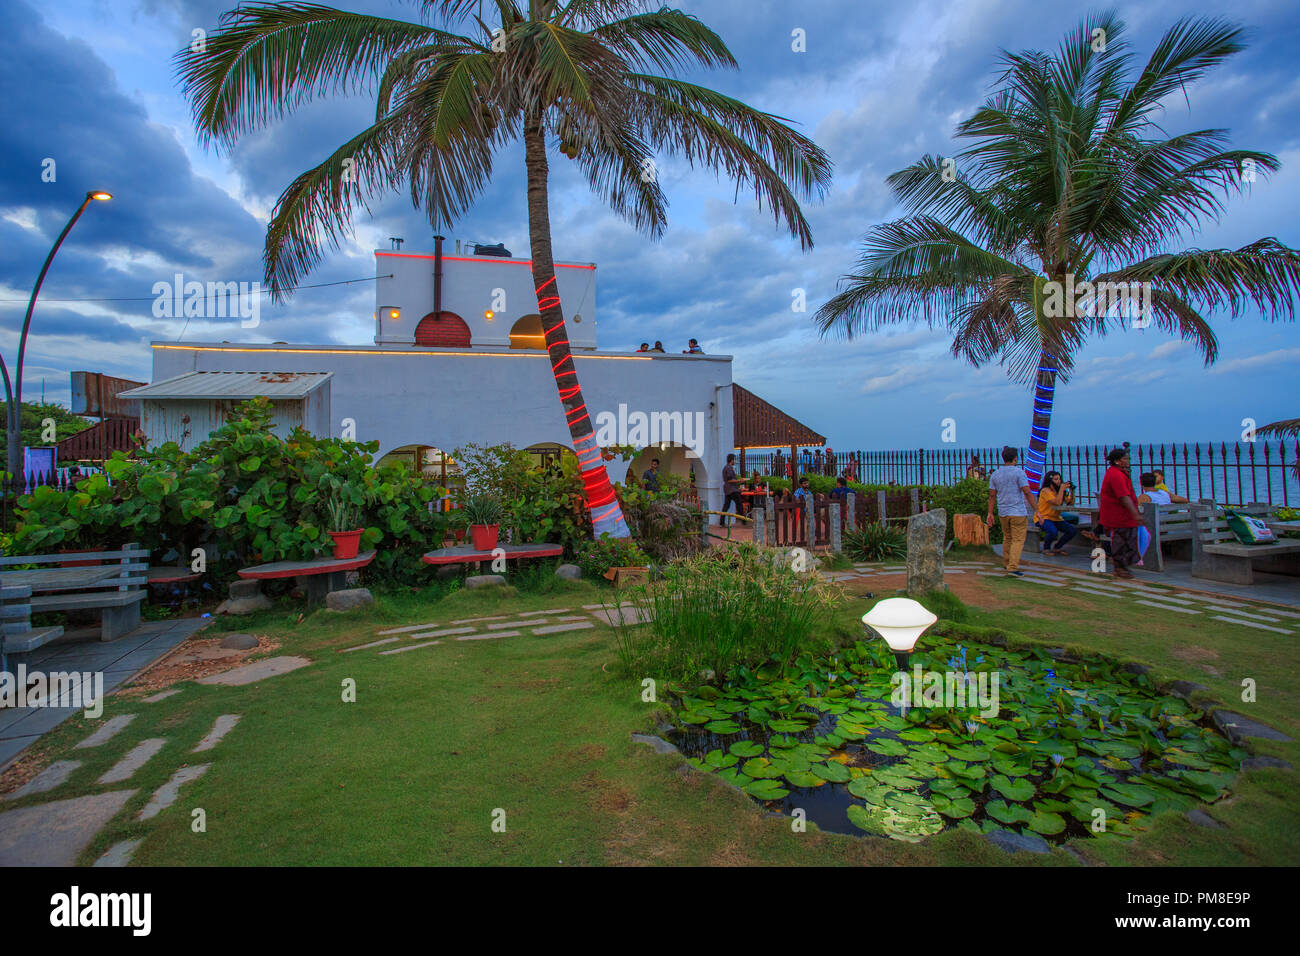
[539,727]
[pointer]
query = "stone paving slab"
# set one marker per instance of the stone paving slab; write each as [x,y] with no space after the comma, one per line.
[135,758]
[408,647]
[473,620]
[562,628]
[1254,624]
[119,854]
[407,629]
[49,778]
[558,610]
[627,615]
[161,695]
[223,725]
[1258,617]
[444,632]
[1169,607]
[488,637]
[107,731]
[55,833]
[166,795]
[363,647]
[259,670]
[506,625]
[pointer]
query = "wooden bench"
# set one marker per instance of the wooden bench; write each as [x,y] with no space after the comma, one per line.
[1167,524]
[113,587]
[1217,555]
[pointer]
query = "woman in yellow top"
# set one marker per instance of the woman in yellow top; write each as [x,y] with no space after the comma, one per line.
[1057,532]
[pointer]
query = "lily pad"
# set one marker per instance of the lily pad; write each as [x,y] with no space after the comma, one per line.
[1014,790]
[766,790]
[746,748]
[832,771]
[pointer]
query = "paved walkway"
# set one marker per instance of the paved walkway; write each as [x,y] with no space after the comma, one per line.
[118,661]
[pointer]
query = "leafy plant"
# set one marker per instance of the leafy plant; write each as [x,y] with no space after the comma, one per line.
[875,541]
[597,557]
[482,509]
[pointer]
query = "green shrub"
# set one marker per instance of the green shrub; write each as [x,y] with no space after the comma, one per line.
[876,541]
[664,527]
[597,557]
[968,496]
[742,607]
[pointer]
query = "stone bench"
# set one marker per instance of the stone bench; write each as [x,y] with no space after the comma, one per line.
[1217,555]
[17,636]
[108,581]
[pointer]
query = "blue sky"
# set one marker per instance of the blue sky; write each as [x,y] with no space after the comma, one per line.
[90,83]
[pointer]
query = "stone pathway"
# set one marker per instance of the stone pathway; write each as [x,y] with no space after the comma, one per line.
[560,620]
[1263,617]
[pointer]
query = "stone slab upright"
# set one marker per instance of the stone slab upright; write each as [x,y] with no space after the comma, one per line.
[925,534]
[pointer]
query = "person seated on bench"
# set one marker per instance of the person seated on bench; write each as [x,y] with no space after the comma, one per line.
[1056,530]
[1154,492]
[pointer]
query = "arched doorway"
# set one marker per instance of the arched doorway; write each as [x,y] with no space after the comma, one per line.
[442,330]
[527,333]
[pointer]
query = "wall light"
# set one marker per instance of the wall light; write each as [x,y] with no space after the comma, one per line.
[488,314]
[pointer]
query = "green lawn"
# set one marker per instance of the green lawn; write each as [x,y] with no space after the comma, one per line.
[442,737]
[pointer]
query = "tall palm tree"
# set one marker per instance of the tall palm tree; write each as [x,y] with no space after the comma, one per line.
[1070,180]
[595,77]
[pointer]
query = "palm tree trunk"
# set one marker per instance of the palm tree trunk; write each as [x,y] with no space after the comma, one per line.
[606,513]
[1044,390]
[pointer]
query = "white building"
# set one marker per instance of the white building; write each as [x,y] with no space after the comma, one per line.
[458,357]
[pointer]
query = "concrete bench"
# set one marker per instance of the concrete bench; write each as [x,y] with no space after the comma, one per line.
[17,636]
[1168,524]
[113,586]
[1217,555]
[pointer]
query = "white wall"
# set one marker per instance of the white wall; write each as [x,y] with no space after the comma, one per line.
[469,288]
[448,398]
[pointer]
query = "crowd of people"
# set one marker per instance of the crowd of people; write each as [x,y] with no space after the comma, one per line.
[692,347]
[1119,529]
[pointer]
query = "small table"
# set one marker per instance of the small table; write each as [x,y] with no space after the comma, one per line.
[511,552]
[60,579]
[323,574]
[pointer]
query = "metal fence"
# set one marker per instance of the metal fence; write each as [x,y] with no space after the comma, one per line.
[1235,473]
[14,487]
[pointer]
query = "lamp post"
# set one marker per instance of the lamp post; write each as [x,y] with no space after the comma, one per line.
[901,622]
[14,392]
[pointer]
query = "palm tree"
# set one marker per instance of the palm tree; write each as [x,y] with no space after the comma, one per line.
[1283,429]
[1070,181]
[596,76]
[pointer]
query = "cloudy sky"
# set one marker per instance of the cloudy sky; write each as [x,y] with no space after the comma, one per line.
[91,85]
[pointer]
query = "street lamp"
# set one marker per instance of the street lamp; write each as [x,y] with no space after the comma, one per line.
[14,393]
[901,622]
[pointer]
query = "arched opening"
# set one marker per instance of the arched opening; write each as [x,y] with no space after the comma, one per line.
[546,453]
[442,330]
[674,459]
[527,333]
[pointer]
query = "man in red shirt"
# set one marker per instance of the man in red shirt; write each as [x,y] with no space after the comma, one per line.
[1118,511]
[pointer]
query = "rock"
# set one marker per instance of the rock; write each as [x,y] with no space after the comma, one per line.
[1263,763]
[245,598]
[1011,842]
[1185,689]
[925,534]
[476,581]
[239,642]
[1238,728]
[446,572]
[1139,669]
[570,571]
[349,599]
[660,745]
[245,588]
[1203,819]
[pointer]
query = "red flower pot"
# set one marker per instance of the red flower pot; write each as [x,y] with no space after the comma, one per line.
[80,564]
[484,536]
[346,543]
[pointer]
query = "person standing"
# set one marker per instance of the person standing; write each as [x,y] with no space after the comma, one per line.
[1009,490]
[730,486]
[651,477]
[1119,512]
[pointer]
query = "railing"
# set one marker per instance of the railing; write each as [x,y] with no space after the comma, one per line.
[1234,473]
[14,487]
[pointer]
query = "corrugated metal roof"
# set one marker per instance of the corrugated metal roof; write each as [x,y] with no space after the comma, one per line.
[233,385]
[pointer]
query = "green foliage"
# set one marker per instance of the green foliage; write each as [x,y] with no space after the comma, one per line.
[875,541]
[483,509]
[825,484]
[247,496]
[740,608]
[665,528]
[32,425]
[597,557]
[968,496]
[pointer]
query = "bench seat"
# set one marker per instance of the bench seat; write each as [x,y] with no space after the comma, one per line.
[1218,556]
[82,602]
[1284,546]
[30,640]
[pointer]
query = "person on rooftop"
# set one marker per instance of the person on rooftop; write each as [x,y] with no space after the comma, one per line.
[659,347]
[693,348]
[645,347]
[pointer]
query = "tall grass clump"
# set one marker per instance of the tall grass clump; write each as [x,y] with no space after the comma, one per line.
[712,613]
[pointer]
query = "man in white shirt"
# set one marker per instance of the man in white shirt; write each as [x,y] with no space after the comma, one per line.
[1009,490]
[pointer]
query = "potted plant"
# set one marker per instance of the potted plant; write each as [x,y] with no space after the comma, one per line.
[483,513]
[347,537]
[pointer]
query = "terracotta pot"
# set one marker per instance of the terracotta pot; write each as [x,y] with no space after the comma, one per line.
[346,543]
[484,536]
[79,564]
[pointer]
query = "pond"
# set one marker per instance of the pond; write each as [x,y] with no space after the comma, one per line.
[1060,749]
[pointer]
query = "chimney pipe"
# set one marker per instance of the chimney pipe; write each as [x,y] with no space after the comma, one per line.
[437,277]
